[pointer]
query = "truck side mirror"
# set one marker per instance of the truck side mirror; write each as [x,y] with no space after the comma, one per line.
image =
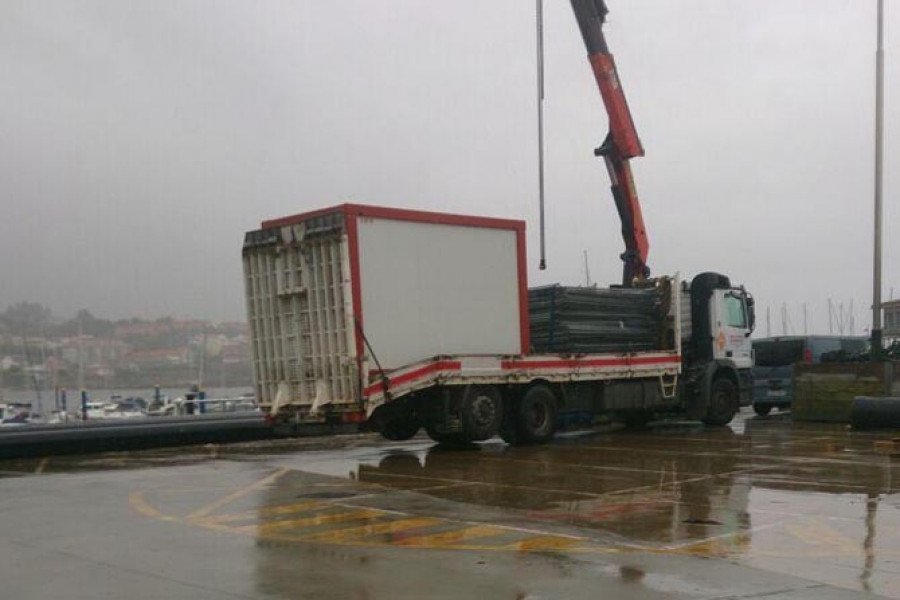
[751,311]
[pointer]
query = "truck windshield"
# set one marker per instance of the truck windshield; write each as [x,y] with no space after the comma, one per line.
[735,315]
[778,353]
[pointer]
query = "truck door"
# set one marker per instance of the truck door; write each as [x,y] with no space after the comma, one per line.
[731,328]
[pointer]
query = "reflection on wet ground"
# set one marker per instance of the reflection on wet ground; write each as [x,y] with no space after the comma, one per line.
[812,500]
[780,508]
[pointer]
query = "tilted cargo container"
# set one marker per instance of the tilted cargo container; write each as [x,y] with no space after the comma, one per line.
[339,293]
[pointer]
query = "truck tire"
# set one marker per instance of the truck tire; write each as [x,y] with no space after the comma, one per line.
[448,439]
[723,402]
[536,416]
[762,409]
[400,430]
[636,419]
[481,411]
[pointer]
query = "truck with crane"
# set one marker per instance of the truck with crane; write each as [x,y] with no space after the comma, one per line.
[399,320]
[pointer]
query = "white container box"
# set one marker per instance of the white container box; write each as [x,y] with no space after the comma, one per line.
[331,291]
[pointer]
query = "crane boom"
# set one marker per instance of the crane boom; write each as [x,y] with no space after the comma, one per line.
[622,142]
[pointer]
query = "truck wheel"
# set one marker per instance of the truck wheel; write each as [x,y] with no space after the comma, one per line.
[536,416]
[450,439]
[636,419]
[762,409]
[723,402]
[399,430]
[481,411]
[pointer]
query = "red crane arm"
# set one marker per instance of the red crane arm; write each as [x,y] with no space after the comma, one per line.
[621,144]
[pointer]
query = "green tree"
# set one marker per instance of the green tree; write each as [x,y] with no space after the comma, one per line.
[26,318]
[88,324]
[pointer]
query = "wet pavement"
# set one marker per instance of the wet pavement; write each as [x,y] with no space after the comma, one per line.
[764,509]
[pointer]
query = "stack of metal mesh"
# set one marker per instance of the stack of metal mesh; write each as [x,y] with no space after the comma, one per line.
[593,320]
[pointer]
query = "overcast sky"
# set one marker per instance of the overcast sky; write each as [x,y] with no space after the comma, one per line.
[139,140]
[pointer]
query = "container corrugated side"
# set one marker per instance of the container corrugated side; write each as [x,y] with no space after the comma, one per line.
[297,280]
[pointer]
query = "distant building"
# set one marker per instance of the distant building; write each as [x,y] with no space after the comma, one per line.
[190,326]
[99,370]
[164,327]
[150,359]
[891,318]
[7,363]
[93,350]
[54,364]
[236,352]
[142,328]
[233,328]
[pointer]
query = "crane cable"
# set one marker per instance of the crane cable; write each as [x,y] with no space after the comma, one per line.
[540,123]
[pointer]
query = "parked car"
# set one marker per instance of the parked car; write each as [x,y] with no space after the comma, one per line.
[775,357]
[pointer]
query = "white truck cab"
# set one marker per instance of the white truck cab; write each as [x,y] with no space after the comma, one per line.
[731,326]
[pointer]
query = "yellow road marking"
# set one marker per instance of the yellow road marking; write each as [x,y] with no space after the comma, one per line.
[449,481]
[822,540]
[543,544]
[263,528]
[819,534]
[139,503]
[448,538]
[41,465]
[710,547]
[268,511]
[356,536]
[341,536]
[213,506]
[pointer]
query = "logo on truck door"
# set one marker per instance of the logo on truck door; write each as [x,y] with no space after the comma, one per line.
[720,340]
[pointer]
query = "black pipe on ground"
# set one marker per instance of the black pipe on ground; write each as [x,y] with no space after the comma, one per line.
[131,434]
[875,413]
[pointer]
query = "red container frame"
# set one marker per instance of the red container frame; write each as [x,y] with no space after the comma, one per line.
[353,212]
